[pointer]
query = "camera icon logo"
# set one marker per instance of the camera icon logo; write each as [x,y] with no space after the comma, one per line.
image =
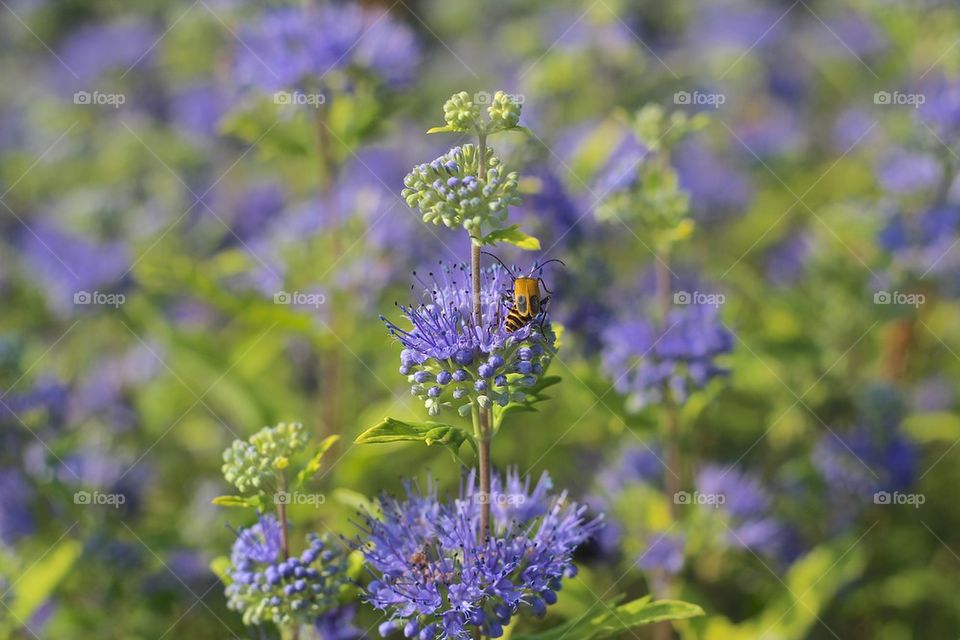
[281,297]
[882,297]
[82,97]
[482,97]
[882,97]
[282,97]
[81,497]
[681,497]
[681,97]
[681,297]
[81,297]
[881,497]
[281,497]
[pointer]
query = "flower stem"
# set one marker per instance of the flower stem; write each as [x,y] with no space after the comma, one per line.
[482,428]
[284,538]
[483,420]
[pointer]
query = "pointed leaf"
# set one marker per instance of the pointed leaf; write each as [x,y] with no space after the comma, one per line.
[443,129]
[615,620]
[35,587]
[314,465]
[237,501]
[392,430]
[514,236]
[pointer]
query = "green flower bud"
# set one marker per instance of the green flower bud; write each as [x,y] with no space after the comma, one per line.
[460,112]
[250,464]
[504,111]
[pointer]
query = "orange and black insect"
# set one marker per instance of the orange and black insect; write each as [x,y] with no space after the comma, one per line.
[525,301]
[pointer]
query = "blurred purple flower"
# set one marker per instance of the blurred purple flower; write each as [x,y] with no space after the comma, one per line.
[941,108]
[787,260]
[292,47]
[337,624]
[716,187]
[622,169]
[642,358]
[769,130]
[198,107]
[16,519]
[93,50]
[66,263]
[904,172]
[664,553]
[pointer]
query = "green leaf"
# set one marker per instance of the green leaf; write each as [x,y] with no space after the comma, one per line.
[36,585]
[314,465]
[512,235]
[237,501]
[430,433]
[613,621]
[444,129]
[219,566]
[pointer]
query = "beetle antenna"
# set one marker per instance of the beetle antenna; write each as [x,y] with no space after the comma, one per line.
[510,271]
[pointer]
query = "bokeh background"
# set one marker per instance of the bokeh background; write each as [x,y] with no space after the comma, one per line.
[159,201]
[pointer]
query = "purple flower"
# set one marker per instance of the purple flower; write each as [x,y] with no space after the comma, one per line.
[636,465]
[16,520]
[643,359]
[96,49]
[941,109]
[716,187]
[444,336]
[664,553]
[198,107]
[787,260]
[904,172]
[337,624]
[67,264]
[265,587]
[438,581]
[290,47]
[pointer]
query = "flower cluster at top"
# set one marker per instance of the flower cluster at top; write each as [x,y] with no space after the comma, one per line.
[449,358]
[266,588]
[644,358]
[462,112]
[288,47]
[449,190]
[438,580]
[251,465]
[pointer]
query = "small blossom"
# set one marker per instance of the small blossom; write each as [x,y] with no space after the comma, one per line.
[251,464]
[449,190]
[444,343]
[266,588]
[434,577]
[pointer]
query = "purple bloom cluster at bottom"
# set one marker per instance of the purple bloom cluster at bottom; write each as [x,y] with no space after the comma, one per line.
[438,581]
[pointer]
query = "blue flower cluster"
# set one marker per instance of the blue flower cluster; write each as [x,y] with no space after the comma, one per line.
[264,588]
[291,46]
[438,580]
[643,358]
[748,508]
[448,358]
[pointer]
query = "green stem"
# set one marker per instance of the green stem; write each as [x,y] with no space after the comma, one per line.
[284,538]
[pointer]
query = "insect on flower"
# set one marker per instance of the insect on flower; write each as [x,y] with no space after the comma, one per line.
[525,300]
